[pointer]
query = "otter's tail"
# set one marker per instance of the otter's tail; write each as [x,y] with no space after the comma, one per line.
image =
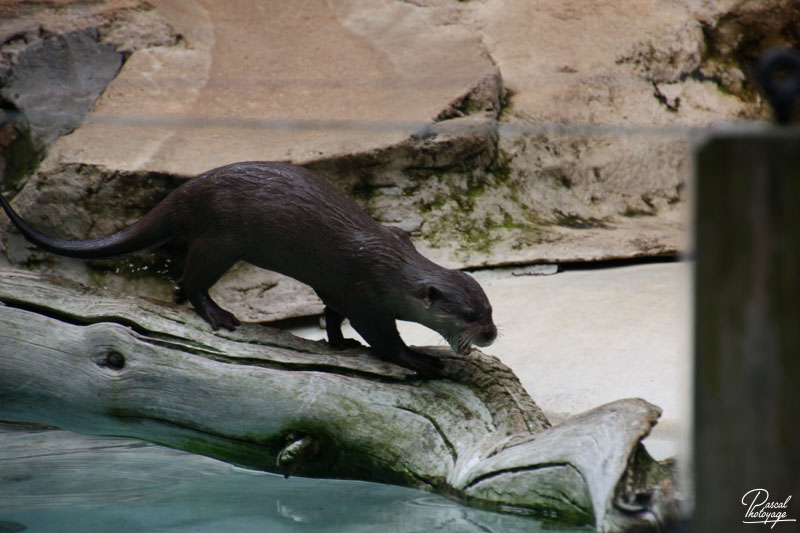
[148,232]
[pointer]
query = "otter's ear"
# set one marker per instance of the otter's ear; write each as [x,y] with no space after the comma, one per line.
[432,293]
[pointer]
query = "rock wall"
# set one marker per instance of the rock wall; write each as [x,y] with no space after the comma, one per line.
[496,131]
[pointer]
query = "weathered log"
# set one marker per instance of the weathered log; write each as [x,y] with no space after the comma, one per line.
[106,364]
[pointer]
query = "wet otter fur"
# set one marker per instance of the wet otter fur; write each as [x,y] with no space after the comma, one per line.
[287,219]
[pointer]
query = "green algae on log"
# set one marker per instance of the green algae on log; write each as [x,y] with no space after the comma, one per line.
[98,363]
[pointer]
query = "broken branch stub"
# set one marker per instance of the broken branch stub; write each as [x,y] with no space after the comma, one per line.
[111,365]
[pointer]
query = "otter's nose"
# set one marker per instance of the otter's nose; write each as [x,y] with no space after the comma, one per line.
[488,335]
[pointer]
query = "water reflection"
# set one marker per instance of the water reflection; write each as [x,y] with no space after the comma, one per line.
[59,481]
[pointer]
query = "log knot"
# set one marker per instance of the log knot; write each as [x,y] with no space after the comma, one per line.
[111,359]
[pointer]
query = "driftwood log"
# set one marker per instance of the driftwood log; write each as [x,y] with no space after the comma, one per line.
[105,364]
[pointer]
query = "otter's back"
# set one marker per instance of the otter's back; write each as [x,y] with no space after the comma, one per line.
[284,217]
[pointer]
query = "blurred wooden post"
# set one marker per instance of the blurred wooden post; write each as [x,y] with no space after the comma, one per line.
[747,337]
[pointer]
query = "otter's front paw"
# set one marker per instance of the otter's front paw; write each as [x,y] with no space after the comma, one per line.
[426,366]
[344,344]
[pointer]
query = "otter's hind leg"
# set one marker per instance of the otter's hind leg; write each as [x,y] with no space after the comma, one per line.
[206,262]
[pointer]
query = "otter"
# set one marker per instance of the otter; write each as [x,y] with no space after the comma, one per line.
[287,219]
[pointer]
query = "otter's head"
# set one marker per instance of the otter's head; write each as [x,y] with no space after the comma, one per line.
[453,304]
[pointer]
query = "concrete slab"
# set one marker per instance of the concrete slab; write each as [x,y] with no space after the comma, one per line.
[582,338]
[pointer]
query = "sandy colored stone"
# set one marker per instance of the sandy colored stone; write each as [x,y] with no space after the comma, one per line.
[497,132]
[270,81]
[57,16]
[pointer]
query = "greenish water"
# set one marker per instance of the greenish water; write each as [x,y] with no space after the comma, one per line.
[57,481]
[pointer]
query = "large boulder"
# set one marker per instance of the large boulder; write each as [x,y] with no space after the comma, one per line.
[496,132]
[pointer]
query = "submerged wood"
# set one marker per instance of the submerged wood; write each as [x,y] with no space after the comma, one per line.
[106,364]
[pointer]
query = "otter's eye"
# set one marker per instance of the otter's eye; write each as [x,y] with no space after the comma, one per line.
[470,316]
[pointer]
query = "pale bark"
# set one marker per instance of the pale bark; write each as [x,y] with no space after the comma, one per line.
[112,365]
